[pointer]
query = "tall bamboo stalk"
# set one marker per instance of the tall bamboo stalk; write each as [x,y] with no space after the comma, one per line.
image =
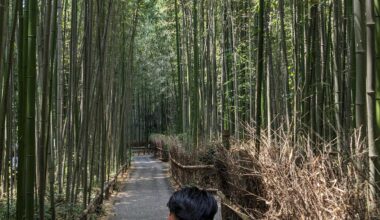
[371,108]
[259,78]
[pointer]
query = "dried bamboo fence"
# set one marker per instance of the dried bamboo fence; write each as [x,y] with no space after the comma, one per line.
[202,170]
[289,181]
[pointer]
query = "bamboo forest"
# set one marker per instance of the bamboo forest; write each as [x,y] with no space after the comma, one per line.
[108,107]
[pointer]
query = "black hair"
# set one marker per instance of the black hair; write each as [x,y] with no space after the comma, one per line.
[191,203]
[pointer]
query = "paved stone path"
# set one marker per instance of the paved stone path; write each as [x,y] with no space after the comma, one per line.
[146,192]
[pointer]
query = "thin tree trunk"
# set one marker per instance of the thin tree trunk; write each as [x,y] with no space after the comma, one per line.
[7,86]
[337,74]
[259,81]
[179,72]
[59,98]
[209,71]
[373,151]
[195,100]
[214,68]
[360,64]
[29,143]
[87,98]
[22,55]
[4,5]
[71,141]
[45,112]
[285,67]
[269,87]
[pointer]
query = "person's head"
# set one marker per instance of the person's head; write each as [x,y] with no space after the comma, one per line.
[191,203]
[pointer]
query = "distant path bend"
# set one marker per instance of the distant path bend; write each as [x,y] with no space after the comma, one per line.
[146,193]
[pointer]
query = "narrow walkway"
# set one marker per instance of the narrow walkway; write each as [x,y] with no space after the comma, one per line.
[146,193]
